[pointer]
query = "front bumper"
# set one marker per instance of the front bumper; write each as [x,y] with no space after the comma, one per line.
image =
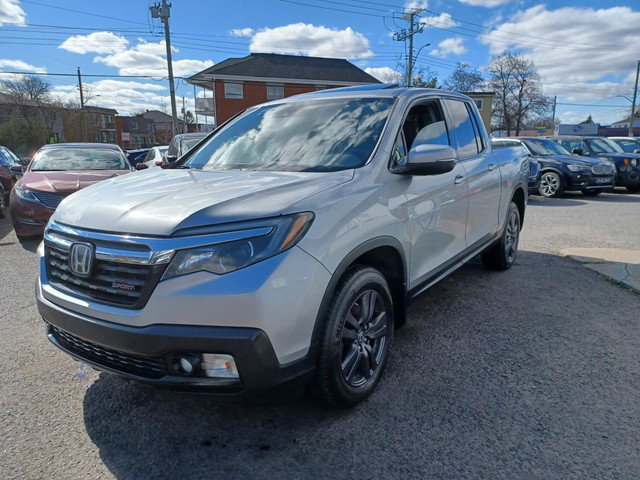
[29,218]
[145,354]
[630,177]
[589,181]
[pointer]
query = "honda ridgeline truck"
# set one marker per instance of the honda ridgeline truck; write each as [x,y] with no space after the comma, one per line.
[281,251]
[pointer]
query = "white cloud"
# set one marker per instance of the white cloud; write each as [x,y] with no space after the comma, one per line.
[96,42]
[443,20]
[148,58]
[485,3]
[20,65]
[126,97]
[384,74]
[449,46]
[10,12]
[593,58]
[416,4]
[242,32]
[307,39]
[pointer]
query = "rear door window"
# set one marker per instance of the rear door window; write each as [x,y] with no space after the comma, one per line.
[462,129]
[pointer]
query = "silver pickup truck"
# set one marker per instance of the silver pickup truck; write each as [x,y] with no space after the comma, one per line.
[281,252]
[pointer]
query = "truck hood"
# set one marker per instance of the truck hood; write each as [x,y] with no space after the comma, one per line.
[163,201]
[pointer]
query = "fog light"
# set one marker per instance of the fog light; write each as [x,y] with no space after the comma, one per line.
[219,366]
[186,364]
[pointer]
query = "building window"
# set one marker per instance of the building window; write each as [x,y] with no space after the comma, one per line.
[134,125]
[233,90]
[275,92]
[136,140]
[96,136]
[150,127]
[110,119]
[112,137]
[94,119]
[479,103]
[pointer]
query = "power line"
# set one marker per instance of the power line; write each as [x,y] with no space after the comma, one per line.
[81,12]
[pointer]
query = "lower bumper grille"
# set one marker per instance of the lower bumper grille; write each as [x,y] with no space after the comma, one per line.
[101,356]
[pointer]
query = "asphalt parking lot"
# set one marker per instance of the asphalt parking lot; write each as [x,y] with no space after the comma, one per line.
[531,373]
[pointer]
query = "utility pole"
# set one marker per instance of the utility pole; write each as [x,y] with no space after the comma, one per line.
[633,103]
[403,35]
[195,109]
[184,117]
[553,116]
[163,12]
[82,122]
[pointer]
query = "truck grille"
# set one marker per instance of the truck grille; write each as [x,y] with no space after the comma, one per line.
[147,367]
[49,200]
[111,282]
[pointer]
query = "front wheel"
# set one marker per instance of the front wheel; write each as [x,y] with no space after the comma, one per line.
[356,338]
[502,254]
[551,185]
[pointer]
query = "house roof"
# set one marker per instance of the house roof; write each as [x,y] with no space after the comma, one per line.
[159,117]
[287,67]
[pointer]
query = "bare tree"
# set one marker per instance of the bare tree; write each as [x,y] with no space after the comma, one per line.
[425,78]
[31,96]
[518,92]
[464,79]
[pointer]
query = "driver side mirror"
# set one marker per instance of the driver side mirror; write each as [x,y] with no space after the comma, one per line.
[141,166]
[19,169]
[428,159]
[171,158]
[577,151]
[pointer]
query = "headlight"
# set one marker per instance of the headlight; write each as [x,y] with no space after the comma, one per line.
[227,257]
[25,194]
[577,168]
[633,162]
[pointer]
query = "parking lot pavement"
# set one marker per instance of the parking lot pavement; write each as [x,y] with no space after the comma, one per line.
[529,373]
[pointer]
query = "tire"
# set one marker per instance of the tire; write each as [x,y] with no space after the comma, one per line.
[3,207]
[591,193]
[551,185]
[502,254]
[355,342]
[633,188]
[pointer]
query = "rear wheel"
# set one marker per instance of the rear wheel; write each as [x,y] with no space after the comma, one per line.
[502,254]
[551,185]
[356,338]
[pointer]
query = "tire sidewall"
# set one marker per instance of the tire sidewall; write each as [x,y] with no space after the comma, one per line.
[513,208]
[358,281]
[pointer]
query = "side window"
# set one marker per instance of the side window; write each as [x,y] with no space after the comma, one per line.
[425,125]
[462,128]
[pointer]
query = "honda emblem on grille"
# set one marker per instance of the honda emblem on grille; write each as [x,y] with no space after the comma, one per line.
[81,259]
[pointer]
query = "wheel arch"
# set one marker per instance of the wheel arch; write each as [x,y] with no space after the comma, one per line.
[386,255]
[519,197]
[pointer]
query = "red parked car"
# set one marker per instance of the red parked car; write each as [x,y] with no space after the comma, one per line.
[55,172]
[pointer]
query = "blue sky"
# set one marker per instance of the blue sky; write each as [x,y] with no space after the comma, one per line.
[586,51]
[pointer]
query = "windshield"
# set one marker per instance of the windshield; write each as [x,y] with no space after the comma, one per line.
[603,145]
[305,136]
[78,159]
[544,147]
[628,145]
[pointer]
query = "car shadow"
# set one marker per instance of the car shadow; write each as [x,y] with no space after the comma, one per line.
[482,355]
[8,236]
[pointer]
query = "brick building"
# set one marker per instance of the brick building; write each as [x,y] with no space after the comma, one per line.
[238,83]
[135,132]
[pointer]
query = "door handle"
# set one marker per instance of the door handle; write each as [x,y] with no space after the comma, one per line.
[459,179]
[492,167]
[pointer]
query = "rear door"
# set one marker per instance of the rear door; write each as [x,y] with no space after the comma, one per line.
[481,169]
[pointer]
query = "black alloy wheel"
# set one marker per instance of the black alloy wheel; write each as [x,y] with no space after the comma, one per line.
[357,337]
[502,254]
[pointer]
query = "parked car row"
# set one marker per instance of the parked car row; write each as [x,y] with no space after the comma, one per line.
[590,165]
